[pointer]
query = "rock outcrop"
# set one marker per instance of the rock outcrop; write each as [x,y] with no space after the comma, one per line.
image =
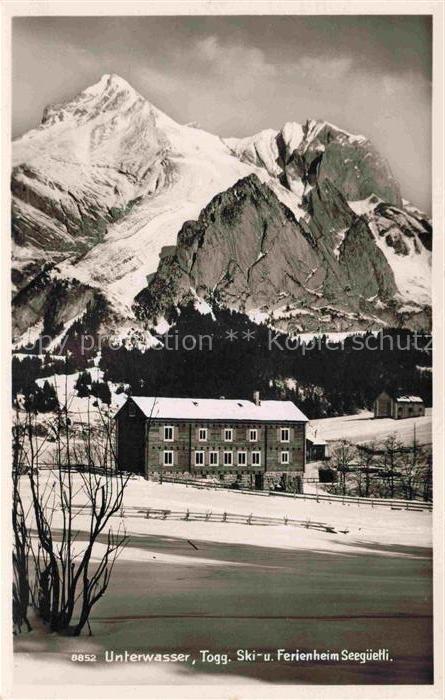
[248,251]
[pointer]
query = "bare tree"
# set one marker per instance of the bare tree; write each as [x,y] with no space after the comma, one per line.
[342,458]
[20,555]
[68,576]
[427,477]
[390,462]
[414,469]
[362,475]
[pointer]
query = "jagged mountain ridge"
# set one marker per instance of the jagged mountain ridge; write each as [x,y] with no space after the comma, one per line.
[301,154]
[107,181]
[318,285]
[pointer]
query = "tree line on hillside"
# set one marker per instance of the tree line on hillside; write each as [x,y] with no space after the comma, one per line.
[30,395]
[25,373]
[327,379]
[233,357]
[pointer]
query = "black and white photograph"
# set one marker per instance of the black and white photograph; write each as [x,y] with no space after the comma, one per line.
[222,445]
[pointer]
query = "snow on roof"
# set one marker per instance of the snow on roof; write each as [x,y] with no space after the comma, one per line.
[218,409]
[405,398]
[401,396]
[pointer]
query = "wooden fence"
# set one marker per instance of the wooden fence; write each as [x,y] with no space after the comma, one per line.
[224,517]
[392,503]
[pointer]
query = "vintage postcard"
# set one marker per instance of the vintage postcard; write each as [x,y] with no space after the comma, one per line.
[223,434]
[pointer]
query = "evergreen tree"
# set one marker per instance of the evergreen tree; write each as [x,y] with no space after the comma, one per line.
[101,390]
[41,399]
[83,384]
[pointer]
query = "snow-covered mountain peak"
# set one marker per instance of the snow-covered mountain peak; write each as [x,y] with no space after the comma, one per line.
[108,125]
[293,135]
[107,181]
[319,129]
[110,94]
[110,82]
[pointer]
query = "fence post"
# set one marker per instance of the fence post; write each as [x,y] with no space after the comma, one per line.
[224,518]
[147,514]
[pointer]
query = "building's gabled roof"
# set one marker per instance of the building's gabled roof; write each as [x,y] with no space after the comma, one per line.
[385,392]
[218,409]
[401,396]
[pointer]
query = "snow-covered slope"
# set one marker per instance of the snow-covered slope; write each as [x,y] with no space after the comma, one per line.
[108,155]
[200,167]
[85,166]
[103,186]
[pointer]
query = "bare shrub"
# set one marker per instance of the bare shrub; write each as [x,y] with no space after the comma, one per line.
[57,568]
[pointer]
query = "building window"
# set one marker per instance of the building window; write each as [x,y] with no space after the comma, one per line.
[202,434]
[285,434]
[256,459]
[285,457]
[228,459]
[253,435]
[213,459]
[242,459]
[199,458]
[228,435]
[168,433]
[168,458]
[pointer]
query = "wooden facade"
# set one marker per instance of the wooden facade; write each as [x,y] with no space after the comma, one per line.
[254,453]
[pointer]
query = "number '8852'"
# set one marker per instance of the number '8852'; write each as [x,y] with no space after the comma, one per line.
[83,657]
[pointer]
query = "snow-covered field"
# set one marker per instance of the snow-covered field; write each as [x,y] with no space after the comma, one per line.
[185,587]
[363,427]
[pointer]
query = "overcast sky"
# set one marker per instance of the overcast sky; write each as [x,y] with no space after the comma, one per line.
[238,75]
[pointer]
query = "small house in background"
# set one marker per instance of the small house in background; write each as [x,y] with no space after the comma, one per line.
[398,405]
[316,447]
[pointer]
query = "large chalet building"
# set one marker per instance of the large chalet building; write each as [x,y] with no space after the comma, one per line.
[253,443]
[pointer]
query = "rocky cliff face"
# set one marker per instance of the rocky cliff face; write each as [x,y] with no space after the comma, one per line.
[249,252]
[304,226]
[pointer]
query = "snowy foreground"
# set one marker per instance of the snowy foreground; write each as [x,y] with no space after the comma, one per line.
[186,587]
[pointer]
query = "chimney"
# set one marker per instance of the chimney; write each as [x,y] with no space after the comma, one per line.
[256,398]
